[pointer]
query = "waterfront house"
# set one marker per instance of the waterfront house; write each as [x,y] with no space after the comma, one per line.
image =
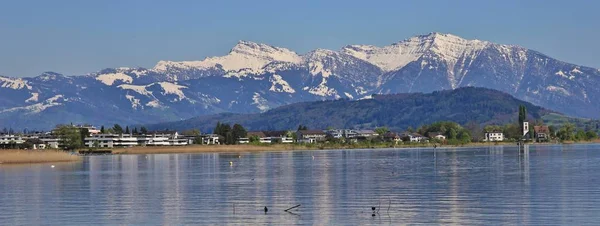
[261,136]
[412,137]
[391,137]
[310,136]
[493,136]
[211,139]
[280,136]
[437,136]
[541,133]
[110,141]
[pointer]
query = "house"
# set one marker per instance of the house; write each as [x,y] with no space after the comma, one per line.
[110,141]
[541,133]
[310,136]
[262,138]
[391,137]
[50,141]
[366,133]
[335,133]
[211,139]
[437,136]
[412,137]
[281,136]
[493,136]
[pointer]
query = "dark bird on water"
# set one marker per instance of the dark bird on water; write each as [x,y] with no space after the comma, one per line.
[266,209]
[373,208]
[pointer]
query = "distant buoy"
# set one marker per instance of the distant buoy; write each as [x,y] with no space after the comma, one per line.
[52,166]
[231,163]
[239,156]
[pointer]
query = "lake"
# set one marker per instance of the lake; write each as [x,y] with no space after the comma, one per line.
[545,185]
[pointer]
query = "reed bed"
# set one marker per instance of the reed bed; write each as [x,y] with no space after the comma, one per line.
[35,156]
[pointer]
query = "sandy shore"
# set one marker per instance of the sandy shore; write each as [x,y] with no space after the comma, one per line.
[30,156]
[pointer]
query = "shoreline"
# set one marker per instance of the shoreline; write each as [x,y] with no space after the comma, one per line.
[249,148]
[22,157]
[16,157]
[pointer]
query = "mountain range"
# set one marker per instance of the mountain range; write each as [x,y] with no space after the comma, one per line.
[254,78]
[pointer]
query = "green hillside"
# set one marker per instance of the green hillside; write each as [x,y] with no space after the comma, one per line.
[398,112]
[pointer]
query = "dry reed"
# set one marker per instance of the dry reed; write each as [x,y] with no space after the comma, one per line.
[25,156]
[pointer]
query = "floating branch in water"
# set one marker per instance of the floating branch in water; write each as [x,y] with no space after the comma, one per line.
[293,207]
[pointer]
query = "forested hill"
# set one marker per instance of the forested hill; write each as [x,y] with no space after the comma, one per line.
[397,112]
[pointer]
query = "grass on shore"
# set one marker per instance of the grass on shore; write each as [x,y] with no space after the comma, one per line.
[30,156]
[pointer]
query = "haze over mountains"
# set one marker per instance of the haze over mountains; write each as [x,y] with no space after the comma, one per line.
[255,77]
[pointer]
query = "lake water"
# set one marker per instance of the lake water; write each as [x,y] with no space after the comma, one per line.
[548,185]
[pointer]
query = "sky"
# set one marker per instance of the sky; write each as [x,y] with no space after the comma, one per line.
[75,37]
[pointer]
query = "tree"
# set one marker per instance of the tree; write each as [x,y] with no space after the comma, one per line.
[135,130]
[452,134]
[217,129]
[127,130]
[475,130]
[301,127]
[83,133]
[381,130]
[591,135]
[237,132]
[118,129]
[464,136]
[143,130]
[69,137]
[191,132]
[102,130]
[566,132]
[254,139]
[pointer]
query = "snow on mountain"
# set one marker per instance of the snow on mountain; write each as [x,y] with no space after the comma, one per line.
[173,89]
[244,55]
[14,83]
[34,98]
[278,84]
[260,102]
[109,79]
[136,88]
[388,58]
[37,108]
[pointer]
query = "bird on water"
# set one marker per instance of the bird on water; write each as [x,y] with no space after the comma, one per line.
[266,209]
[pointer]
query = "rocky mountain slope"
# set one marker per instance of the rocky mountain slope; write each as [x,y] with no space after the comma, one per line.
[255,77]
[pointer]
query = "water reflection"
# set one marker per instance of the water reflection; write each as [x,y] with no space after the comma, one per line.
[488,185]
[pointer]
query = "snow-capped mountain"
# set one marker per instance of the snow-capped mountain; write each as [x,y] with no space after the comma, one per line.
[255,77]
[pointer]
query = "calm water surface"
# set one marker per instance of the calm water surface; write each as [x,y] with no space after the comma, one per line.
[549,185]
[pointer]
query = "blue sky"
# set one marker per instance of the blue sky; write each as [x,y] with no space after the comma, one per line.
[77,37]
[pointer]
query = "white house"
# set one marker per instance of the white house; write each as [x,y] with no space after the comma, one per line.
[413,137]
[111,141]
[211,139]
[11,139]
[310,136]
[493,136]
